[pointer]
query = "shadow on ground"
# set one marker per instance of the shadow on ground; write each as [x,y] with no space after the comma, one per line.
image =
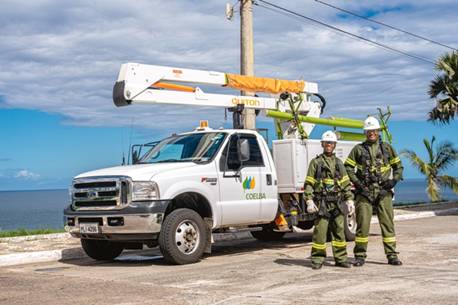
[153,256]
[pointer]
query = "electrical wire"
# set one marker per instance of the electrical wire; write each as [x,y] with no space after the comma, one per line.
[385,24]
[374,43]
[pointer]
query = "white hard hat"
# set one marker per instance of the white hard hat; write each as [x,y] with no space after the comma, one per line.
[329,136]
[371,123]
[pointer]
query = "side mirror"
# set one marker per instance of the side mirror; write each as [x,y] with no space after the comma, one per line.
[135,158]
[243,150]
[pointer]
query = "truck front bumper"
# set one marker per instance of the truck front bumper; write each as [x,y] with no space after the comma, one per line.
[139,221]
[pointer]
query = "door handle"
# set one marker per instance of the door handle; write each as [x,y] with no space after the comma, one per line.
[268,179]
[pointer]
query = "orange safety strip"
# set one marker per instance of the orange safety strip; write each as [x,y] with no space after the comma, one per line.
[261,84]
[173,87]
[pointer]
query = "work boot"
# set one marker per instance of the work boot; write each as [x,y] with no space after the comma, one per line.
[395,261]
[358,262]
[343,264]
[317,266]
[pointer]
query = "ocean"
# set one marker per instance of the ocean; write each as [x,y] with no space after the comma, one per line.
[43,209]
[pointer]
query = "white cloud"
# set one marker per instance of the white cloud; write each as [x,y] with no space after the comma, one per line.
[27,175]
[64,57]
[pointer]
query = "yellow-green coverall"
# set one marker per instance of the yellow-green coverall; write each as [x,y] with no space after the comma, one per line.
[370,166]
[323,178]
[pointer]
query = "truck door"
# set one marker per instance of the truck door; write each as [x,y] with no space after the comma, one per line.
[240,188]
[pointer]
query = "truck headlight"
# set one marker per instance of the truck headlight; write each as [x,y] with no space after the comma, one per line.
[144,190]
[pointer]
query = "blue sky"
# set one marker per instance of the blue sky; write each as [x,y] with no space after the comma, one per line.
[61,59]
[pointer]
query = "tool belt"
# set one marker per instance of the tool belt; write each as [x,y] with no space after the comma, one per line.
[325,201]
[374,200]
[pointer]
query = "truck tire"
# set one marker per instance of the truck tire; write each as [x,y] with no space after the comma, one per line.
[183,237]
[267,234]
[101,250]
[350,226]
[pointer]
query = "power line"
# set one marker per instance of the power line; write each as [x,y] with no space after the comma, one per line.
[384,24]
[374,43]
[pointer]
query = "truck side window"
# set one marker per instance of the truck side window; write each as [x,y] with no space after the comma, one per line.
[232,158]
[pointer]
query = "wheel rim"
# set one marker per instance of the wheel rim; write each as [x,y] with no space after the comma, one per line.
[351,222]
[187,237]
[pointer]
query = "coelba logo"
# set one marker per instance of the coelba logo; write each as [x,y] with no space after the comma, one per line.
[249,183]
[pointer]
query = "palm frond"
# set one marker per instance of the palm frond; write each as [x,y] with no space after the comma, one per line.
[446,155]
[437,86]
[439,115]
[449,181]
[448,63]
[444,87]
[416,161]
[429,148]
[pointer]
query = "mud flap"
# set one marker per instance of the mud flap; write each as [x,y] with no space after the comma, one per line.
[209,241]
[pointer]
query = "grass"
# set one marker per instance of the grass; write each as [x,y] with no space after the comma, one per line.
[25,232]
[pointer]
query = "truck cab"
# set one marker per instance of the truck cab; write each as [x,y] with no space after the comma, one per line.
[223,178]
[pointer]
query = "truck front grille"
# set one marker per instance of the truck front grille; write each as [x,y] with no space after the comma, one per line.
[103,192]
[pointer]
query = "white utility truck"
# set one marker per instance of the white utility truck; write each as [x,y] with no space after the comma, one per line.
[189,185]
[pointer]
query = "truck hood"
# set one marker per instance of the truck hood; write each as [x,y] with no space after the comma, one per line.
[140,172]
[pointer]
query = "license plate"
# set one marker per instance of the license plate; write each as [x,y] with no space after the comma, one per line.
[89,228]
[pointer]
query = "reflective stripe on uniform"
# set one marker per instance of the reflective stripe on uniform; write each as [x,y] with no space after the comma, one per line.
[389,239]
[319,246]
[310,179]
[350,162]
[385,168]
[338,244]
[395,160]
[344,179]
[328,181]
[362,240]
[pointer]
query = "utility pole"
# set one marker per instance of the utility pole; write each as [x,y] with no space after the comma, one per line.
[246,55]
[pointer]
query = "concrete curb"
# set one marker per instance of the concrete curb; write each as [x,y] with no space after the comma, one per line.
[417,215]
[40,256]
[34,237]
[76,253]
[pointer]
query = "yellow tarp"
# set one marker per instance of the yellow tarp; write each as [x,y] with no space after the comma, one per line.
[262,84]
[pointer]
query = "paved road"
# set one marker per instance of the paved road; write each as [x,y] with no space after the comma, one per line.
[250,272]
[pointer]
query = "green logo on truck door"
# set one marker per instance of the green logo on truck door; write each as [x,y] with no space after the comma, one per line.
[249,184]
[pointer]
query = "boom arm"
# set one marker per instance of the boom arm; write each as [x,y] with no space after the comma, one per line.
[150,84]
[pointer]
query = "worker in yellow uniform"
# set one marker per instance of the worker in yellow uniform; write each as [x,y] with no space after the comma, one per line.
[327,187]
[374,168]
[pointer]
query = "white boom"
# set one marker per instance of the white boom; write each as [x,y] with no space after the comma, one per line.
[150,84]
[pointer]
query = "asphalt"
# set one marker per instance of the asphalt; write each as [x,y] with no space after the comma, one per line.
[55,247]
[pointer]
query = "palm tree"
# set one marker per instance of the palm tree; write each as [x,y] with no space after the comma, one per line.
[444,88]
[443,157]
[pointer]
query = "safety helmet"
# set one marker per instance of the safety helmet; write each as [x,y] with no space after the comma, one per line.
[329,136]
[371,123]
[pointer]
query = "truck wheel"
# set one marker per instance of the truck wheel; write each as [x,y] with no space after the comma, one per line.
[101,249]
[267,234]
[350,226]
[183,237]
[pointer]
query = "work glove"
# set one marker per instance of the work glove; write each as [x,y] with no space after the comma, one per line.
[350,206]
[311,207]
[389,184]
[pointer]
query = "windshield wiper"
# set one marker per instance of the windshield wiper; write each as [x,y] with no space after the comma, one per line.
[172,160]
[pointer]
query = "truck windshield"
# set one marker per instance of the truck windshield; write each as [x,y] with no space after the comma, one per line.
[195,147]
